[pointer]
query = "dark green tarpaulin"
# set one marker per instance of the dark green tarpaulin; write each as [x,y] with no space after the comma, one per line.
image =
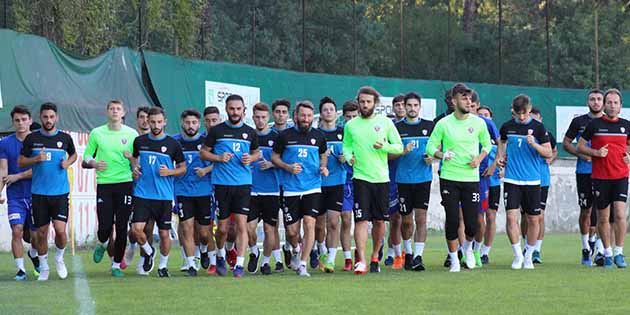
[34,71]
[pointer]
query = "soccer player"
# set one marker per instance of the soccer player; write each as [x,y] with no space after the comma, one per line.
[545,182]
[142,120]
[350,110]
[583,169]
[211,118]
[301,153]
[394,252]
[414,175]
[609,136]
[18,183]
[450,106]
[193,193]
[232,146]
[265,200]
[367,141]
[494,195]
[333,184]
[114,183]
[157,159]
[524,140]
[50,152]
[460,136]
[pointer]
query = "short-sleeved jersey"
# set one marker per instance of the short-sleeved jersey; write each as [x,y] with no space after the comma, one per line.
[191,185]
[49,178]
[614,133]
[109,145]
[234,139]
[304,148]
[152,153]
[494,134]
[411,167]
[265,182]
[337,172]
[576,128]
[545,171]
[523,161]
[10,148]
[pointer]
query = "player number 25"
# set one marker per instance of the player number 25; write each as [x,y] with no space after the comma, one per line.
[302,153]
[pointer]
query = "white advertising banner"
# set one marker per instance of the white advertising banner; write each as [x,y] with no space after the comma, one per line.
[564,115]
[217,92]
[428,107]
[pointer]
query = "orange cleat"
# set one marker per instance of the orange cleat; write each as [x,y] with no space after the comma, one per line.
[212,270]
[399,261]
[348,265]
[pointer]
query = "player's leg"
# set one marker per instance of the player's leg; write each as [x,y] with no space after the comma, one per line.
[585,201]
[469,199]
[185,232]
[531,205]
[450,200]
[379,213]
[346,226]
[122,211]
[405,211]
[270,221]
[308,205]
[292,218]
[105,216]
[162,216]
[59,205]
[537,256]
[619,206]
[420,204]
[333,203]
[240,201]
[17,219]
[361,218]
[254,216]
[319,249]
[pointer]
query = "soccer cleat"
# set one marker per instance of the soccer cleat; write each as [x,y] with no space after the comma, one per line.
[455,267]
[287,256]
[517,263]
[184,266]
[599,259]
[266,269]
[205,260]
[608,262]
[238,271]
[408,261]
[279,267]
[380,250]
[231,257]
[477,255]
[252,265]
[295,261]
[399,262]
[447,261]
[375,266]
[586,257]
[221,267]
[470,259]
[191,272]
[62,271]
[528,263]
[536,257]
[620,261]
[485,260]
[99,252]
[20,275]
[417,264]
[35,262]
[389,261]
[123,264]
[197,263]
[163,273]
[347,266]
[314,259]
[147,266]
[329,268]
[302,272]
[129,253]
[212,270]
[322,261]
[360,268]
[117,273]
[43,275]
[591,245]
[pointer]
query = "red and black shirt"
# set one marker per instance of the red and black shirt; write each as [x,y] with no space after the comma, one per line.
[616,134]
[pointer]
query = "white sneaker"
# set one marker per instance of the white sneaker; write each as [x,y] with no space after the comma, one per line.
[131,250]
[455,267]
[517,263]
[43,275]
[470,259]
[302,271]
[62,271]
[295,261]
[140,269]
[528,263]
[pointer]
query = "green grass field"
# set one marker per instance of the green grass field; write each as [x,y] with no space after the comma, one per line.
[559,286]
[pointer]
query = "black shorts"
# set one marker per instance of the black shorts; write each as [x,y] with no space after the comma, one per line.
[49,208]
[158,210]
[607,191]
[296,207]
[494,197]
[413,196]
[584,190]
[232,200]
[371,201]
[332,198]
[525,197]
[264,208]
[114,199]
[544,193]
[198,207]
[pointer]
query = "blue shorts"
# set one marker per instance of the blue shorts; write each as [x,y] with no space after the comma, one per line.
[394,206]
[484,193]
[348,198]
[20,212]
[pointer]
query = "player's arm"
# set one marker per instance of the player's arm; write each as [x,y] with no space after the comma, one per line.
[433,148]
[276,158]
[206,154]
[253,155]
[393,145]
[323,158]
[486,145]
[203,171]
[179,170]
[582,148]
[346,146]
[25,162]
[4,166]
[90,150]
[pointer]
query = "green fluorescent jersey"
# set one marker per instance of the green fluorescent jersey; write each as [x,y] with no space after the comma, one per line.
[109,146]
[359,136]
[462,138]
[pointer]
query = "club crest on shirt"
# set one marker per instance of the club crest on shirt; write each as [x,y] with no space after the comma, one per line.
[163,149]
[339,136]
[270,142]
[623,130]
[59,144]
[313,141]
[530,131]
[471,130]
[199,146]
[377,128]
[245,136]
[123,140]
[424,132]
